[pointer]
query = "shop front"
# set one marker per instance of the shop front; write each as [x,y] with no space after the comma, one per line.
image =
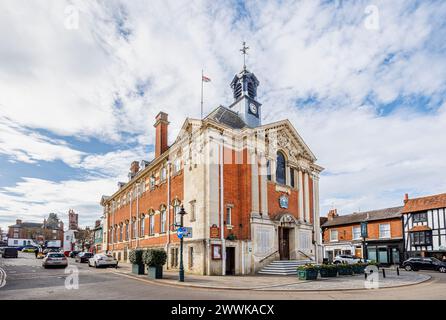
[386,252]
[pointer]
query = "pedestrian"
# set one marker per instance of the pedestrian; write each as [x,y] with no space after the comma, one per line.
[36,251]
[444,258]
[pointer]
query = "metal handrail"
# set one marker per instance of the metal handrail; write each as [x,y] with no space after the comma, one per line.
[306,255]
[264,258]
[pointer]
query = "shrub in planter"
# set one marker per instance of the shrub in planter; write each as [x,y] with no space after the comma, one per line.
[307,272]
[359,267]
[154,260]
[345,269]
[328,270]
[135,257]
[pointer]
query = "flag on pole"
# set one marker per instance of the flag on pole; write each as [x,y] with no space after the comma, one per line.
[205,79]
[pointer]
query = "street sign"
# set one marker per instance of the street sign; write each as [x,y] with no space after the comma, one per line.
[184,232]
[180,232]
[188,233]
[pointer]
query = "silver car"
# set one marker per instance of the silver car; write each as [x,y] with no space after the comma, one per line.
[55,259]
[102,260]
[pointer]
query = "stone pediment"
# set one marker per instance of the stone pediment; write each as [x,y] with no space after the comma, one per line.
[282,135]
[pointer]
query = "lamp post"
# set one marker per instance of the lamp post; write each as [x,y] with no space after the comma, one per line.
[181,213]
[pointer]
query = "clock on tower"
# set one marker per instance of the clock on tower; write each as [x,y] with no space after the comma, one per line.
[244,87]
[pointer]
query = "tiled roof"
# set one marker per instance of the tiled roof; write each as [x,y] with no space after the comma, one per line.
[227,117]
[27,225]
[420,228]
[425,203]
[357,217]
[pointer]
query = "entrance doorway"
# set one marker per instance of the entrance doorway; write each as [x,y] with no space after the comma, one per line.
[284,243]
[230,261]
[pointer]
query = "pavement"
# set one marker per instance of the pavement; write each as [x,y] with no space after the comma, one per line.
[281,283]
[27,280]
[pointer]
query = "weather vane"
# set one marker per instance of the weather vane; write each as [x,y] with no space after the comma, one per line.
[244,51]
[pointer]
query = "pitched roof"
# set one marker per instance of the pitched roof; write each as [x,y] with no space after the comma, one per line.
[357,217]
[227,117]
[425,203]
[27,225]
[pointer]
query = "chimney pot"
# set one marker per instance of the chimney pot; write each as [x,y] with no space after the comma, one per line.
[333,213]
[406,198]
[134,167]
[161,126]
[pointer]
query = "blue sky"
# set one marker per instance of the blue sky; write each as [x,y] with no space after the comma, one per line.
[364,83]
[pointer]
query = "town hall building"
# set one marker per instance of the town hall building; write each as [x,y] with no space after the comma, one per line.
[250,191]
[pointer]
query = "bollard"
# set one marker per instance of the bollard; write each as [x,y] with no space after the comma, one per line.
[397,271]
[365,275]
[384,273]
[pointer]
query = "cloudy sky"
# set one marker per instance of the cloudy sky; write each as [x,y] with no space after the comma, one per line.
[364,83]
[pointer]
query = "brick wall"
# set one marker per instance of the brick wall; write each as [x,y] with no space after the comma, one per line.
[345,233]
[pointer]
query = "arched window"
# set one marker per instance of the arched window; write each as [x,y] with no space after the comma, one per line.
[176,209]
[280,169]
[163,218]
[151,223]
[142,226]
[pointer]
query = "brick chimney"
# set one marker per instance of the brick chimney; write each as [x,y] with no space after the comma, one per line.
[406,198]
[332,214]
[161,126]
[134,167]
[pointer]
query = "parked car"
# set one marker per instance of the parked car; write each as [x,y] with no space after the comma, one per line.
[48,250]
[102,260]
[31,249]
[83,257]
[55,259]
[9,252]
[348,259]
[415,264]
[74,254]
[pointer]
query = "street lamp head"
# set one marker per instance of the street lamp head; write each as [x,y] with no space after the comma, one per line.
[182,211]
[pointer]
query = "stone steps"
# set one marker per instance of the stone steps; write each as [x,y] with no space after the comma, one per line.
[283,267]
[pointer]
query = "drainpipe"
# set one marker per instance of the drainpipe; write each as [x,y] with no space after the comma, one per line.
[222,230]
[243,257]
[114,231]
[168,211]
[129,231]
[138,185]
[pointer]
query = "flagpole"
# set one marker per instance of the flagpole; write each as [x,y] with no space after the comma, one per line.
[201,93]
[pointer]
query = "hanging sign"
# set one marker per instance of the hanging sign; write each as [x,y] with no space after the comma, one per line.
[364,230]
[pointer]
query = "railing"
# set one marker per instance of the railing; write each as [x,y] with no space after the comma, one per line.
[263,259]
[306,255]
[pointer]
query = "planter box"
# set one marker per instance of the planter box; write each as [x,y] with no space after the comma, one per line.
[155,272]
[345,272]
[328,273]
[307,274]
[358,269]
[138,268]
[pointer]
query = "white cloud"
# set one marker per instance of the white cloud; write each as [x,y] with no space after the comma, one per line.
[67,81]
[24,145]
[32,199]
